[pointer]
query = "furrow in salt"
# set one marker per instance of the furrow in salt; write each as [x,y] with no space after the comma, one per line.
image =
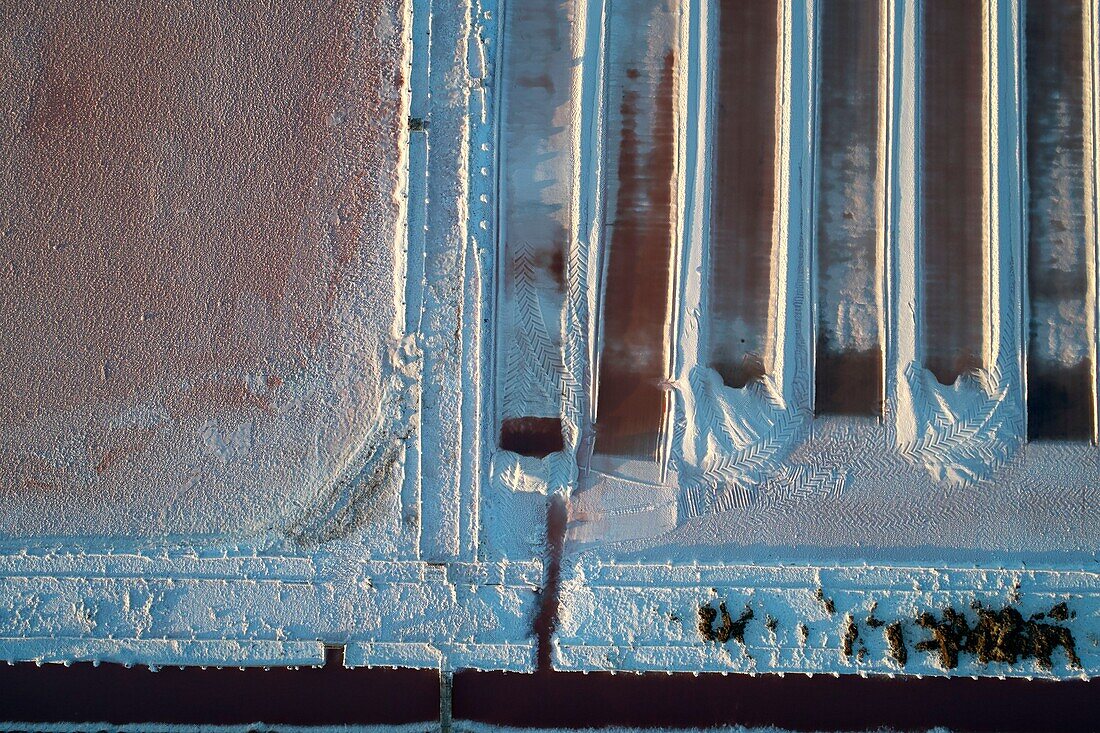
[636,315]
[1060,395]
[953,240]
[743,211]
[538,164]
[849,372]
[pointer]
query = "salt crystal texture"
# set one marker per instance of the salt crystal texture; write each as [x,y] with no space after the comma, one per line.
[311,314]
[199,293]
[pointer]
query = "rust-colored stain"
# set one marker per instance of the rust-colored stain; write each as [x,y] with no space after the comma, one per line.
[132,443]
[546,619]
[953,243]
[742,236]
[229,394]
[183,193]
[631,402]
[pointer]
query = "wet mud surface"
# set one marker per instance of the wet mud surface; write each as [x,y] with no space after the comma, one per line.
[636,312]
[1061,388]
[537,437]
[998,637]
[850,637]
[726,628]
[847,382]
[994,636]
[1060,402]
[742,227]
[895,639]
[849,371]
[953,246]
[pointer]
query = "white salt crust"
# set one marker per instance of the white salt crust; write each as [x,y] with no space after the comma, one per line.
[943,481]
[753,502]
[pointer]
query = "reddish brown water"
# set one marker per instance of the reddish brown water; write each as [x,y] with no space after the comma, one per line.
[848,369]
[953,243]
[1061,396]
[743,189]
[113,695]
[794,702]
[636,319]
[334,695]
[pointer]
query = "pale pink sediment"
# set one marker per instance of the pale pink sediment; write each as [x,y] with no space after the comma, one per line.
[188,194]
